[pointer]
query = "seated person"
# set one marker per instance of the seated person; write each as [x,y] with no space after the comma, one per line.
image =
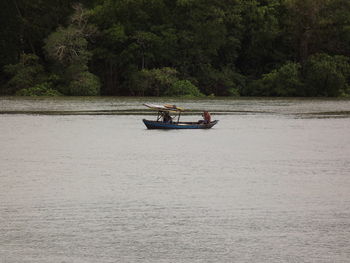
[167,118]
[206,117]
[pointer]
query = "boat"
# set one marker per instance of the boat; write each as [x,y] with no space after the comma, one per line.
[164,121]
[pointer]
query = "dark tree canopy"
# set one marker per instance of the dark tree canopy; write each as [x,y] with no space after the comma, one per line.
[215,47]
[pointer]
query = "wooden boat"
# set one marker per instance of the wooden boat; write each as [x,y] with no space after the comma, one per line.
[163,123]
[178,125]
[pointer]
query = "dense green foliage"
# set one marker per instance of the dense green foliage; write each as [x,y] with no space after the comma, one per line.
[284,81]
[42,89]
[25,74]
[175,47]
[183,88]
[326,75]
[153,82]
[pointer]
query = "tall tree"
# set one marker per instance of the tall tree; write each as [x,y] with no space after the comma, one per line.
[68,48]
[261,41]
[318,26]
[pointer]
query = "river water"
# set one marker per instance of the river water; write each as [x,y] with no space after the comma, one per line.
[82,180]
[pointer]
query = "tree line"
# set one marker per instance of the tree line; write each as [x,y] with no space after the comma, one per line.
[175,47]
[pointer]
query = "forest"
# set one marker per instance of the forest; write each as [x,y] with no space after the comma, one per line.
[190,48]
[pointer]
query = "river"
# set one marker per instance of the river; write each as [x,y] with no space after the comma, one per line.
[82,180]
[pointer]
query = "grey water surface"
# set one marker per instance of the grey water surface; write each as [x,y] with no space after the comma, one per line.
[82,180]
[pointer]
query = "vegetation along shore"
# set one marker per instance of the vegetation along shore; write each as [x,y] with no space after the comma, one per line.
[190,48]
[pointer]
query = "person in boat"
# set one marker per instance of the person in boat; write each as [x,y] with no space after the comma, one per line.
[166,117]
[206,117]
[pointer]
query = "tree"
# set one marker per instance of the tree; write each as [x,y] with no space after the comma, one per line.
[68,48]
[153,82]
[183,88]
[25,24]
[335,28]
[285,81]
[326,75]
[208,34]
[84,84]
[128,41]
[316,26]
[225,48]
[195,37]
[43,89]
[261,38]
[25,74]
[304,23]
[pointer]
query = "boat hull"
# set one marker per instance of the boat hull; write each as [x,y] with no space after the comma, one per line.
[178,125]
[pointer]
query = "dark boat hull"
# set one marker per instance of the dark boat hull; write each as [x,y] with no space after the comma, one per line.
[178,125]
